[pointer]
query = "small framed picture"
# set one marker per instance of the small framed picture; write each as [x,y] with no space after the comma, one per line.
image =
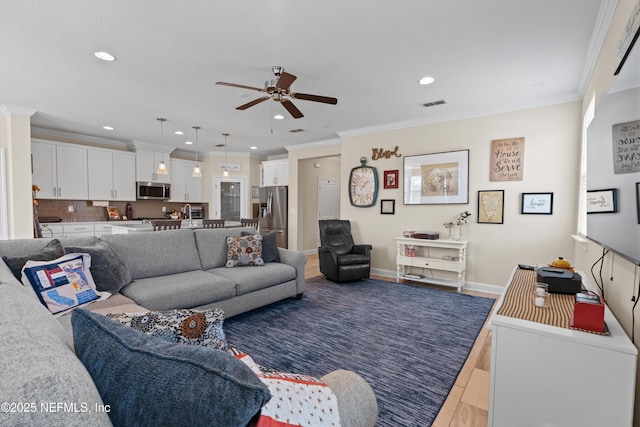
[491,207]
[602,201]
[388,206]
[638,200]
[537,203]
[255,191]
[391,179]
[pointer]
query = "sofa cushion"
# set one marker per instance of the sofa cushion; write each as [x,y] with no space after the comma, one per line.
[182,290]
[51,251]
[148,381]
[189,327]
[63,283]
[212,244]
[109,272]
[252,279]
[269,246]
[156,253]
[37,364]
[244,251]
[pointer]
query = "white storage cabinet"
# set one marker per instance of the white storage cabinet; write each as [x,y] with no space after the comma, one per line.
[60,170]
[184,187]
[112,175]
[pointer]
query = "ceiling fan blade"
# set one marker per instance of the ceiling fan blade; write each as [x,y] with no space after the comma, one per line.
[316,98]
[252,103]
[292,109]
[285,80]
[241,86]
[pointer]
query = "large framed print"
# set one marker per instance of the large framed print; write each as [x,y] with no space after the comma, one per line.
[602,201]
[537,203]
[438,178]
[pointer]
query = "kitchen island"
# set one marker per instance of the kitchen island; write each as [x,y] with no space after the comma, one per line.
[126,228]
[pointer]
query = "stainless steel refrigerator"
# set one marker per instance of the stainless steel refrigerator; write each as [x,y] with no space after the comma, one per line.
[274,212]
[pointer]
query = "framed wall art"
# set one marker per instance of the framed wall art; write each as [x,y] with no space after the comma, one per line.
[537,203]
[387,206]
[491,207]
[391,179]
[602,201]
[438,178]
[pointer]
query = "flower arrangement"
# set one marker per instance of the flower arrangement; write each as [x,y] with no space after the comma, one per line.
[34,191]
[462,219]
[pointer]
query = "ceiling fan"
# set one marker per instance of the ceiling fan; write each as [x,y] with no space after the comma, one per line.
[279,90]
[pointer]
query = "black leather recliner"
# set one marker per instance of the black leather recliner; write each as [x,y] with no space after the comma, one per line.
[340,259]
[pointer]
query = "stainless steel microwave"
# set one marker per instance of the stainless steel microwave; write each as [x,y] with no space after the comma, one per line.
[153,190]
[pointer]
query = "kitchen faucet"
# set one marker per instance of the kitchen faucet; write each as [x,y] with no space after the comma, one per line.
[185,211]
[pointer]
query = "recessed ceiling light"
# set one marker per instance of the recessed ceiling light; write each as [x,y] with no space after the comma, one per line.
[254,147]
[179,132]
[188,142]
[278,117]
[426,80]
[105,56]
[107,127]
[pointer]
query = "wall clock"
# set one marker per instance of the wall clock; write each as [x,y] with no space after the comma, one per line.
[363,185]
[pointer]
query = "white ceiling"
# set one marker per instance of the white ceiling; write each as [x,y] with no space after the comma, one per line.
[486,56]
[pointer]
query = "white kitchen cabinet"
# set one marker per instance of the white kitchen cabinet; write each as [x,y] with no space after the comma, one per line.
[544,375]
[147,162]
[111,175]
[184,187]
[60,170]
[275,172]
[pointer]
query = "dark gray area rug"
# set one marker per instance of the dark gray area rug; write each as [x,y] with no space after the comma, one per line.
[407,341]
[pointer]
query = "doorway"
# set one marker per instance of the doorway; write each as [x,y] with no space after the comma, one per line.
[328,200]
[229,198]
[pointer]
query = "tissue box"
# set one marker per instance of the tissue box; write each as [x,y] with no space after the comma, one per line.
[588,312]
[560,281]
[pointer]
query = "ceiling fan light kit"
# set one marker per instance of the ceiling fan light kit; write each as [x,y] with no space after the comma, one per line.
[279,89]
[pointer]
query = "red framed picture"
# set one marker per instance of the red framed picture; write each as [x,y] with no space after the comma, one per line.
[391,179]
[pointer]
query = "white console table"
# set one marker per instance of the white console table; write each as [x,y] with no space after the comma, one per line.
[443,255]
[543,375]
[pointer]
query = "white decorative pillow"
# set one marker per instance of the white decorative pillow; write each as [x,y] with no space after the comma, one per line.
[245,250]
[63,283]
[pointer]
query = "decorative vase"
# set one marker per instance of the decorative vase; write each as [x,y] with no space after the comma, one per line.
[456,231]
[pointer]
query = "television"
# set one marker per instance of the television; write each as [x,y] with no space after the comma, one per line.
[613,165]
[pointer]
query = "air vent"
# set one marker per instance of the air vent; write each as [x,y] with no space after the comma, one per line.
[296,130]
[434,103]
[219,145]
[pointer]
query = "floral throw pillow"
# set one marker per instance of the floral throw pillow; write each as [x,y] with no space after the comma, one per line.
[190,327]
[244,250]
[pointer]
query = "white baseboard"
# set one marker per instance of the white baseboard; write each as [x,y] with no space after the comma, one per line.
[470,286]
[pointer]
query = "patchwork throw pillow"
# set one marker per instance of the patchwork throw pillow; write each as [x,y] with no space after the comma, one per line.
[179,326]
[50,252]
[109,271]
[244,250]
[269,246]
[63,283]
[148,381]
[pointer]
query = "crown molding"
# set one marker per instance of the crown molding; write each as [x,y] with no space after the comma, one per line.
[58,135]
[6,109]
[600,30]
[305,146]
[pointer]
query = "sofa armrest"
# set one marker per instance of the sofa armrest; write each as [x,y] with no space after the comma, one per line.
[357,403]
[297,260]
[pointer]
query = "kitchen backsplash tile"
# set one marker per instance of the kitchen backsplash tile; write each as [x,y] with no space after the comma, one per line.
[84,211]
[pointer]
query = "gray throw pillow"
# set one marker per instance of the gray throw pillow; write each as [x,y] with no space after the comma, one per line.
[109,272]
[269,246]
[148,381]
[50,252]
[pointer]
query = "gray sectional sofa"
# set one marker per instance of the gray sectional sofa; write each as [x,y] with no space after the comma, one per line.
[168,270]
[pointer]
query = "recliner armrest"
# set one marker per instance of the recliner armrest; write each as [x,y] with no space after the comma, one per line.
[362,249]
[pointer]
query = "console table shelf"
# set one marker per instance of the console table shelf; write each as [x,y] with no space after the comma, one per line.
[417,256]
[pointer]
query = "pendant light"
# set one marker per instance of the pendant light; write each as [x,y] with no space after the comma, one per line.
[225,174]
[162,168]
[196,170]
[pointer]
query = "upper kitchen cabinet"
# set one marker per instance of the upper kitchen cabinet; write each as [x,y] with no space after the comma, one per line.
[275,172]
[112,175]
[147,162]
[184,187]
[60,170]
